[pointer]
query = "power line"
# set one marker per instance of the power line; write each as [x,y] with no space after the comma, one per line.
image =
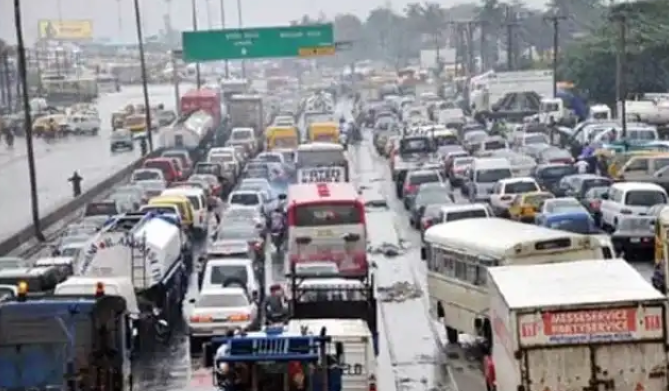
[555,20]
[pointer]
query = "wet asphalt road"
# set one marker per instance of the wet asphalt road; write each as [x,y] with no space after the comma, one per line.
[56,161]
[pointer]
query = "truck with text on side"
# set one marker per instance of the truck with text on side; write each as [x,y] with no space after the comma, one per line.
[575,326]
[247,111]
[147,252]
[80,342]
[274,359]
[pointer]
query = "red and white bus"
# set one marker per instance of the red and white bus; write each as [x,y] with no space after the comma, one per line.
[326,222]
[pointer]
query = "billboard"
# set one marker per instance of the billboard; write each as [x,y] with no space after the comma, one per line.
[65,30]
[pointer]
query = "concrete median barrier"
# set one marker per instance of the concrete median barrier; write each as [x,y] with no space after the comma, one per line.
[28,233]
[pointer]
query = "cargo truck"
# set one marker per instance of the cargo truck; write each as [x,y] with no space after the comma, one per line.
[586,325]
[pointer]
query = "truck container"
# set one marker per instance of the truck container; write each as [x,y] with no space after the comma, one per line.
[586,325]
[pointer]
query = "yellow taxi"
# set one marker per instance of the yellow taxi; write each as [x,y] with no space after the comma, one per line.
[183,205]
[135,123]
[324,132]
[282,137]
[525,206]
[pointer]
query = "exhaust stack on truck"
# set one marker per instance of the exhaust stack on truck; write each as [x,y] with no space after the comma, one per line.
[587,325]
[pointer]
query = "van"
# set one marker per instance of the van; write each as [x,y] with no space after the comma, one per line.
[198,201]
[640,166]
[181,202]
[482,176]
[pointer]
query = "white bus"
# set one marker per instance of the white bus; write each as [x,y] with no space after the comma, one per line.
[459,252]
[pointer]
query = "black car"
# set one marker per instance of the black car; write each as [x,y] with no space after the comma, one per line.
[548,176]
[635,237]
[577,185]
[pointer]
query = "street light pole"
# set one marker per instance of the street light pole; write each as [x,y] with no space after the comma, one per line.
[197,64]
[142,64]
[241,25]
[227,63]
[28,125]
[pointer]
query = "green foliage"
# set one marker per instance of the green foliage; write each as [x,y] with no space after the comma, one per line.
[591,62]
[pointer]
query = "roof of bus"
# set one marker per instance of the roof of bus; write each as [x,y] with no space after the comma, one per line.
[320,147]
[310,192]
[466,234]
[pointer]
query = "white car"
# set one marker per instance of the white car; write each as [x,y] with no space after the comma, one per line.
[218,310]
[248,198]
[84,123]
[629,198]
[504,190]
[225,155]
[147,174]
[224,270]
[243,136]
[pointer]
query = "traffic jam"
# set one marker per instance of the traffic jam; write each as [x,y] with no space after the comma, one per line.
[347,244]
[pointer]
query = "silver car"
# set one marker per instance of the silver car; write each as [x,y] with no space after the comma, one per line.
[219,310]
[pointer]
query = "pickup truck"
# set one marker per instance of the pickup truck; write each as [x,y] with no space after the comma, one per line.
[575,326]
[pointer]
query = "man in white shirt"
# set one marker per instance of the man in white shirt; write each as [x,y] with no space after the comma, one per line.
[581,166]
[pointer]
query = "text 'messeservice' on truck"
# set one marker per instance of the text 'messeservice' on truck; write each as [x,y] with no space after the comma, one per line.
[457,260]
[52,342]
[588,325]
[326,222]
[146,251]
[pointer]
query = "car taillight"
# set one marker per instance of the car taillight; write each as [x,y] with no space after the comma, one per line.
[595,204]
[410,188]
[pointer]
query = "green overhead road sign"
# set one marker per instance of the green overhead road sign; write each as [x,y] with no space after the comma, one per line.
[264,42]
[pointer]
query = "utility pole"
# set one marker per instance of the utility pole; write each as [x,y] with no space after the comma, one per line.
[227,63]
[511,24]
[471,63]
[119,17]
[483,45]
[621,74]
[198,76]
[241,25]
[555,20]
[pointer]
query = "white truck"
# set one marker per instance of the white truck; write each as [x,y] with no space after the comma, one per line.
[148,251]
[648,108]
[586,325]
[489,88]
[359,368]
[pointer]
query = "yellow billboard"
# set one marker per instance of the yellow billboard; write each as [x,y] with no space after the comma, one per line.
[66,30]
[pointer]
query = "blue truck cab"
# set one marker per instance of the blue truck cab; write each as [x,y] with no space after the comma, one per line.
[274,360]
[65,342]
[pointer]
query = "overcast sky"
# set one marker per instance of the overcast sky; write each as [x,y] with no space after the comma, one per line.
[105,15]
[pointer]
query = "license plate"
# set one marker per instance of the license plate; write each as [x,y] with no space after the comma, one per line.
[324,233]
[635,240]
[322,175]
